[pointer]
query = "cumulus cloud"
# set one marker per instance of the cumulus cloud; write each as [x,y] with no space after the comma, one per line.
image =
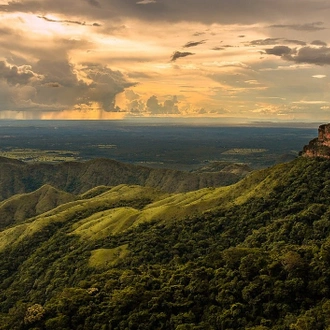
[310,55]
[55,85]
[178,54]
[14,75]
[170,106]
[106,84]
[307,54]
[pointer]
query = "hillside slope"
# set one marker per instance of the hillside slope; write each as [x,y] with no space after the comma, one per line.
[78,177]
[20,207]
[254,255]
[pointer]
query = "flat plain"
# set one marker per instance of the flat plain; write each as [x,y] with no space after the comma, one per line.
[176,146]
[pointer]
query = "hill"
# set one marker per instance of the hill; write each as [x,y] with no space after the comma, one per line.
[17,177]
[253,255]
[20,207]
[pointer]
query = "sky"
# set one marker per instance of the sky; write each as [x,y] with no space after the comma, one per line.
[255,60]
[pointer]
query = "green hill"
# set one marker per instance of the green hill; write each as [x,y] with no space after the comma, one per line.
[20,207]
[253,255]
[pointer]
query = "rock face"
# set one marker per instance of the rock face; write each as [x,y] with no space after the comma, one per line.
[320,146]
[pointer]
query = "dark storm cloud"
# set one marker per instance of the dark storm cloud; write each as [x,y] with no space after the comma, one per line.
[106,85]
[309,55]
[54,85]
[67,21]
[315,26]
[178,54]
[194,43]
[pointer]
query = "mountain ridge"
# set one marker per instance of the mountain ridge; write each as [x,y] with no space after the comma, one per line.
[79,177]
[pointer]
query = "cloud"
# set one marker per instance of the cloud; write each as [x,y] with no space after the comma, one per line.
[295,42]
[318,43]
[309,55]
[315,26]
[178,54]
[319,76]
[279,50]
[67,21]
[275,41]
[265,42]
[54,85]
[168,107]
[206,12]
[14,75]
[194,43]
[197,34]
[106,84]
[145,2]
[94,3]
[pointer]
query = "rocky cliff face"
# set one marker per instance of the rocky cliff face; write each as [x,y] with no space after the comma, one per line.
[320,146]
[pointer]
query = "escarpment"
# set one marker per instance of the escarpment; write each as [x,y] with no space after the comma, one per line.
[320,146]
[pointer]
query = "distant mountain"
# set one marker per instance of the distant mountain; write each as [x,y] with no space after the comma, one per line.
[78,177]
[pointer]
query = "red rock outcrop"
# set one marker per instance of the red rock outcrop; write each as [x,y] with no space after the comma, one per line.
[320,146]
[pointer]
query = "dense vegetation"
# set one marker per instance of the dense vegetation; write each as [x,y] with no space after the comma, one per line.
[255,255]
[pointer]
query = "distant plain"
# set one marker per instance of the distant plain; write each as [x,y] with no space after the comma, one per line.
[162,145]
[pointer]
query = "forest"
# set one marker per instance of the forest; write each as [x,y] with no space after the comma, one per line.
[253,255]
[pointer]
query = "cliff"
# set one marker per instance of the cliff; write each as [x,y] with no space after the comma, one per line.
[320,146]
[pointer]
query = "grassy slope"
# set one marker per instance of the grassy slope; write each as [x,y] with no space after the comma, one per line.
[121,207]
[18,208]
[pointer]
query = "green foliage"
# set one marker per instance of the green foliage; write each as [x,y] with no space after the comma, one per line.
[255,255]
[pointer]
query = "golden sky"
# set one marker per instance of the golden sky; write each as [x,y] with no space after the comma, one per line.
[264,60]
